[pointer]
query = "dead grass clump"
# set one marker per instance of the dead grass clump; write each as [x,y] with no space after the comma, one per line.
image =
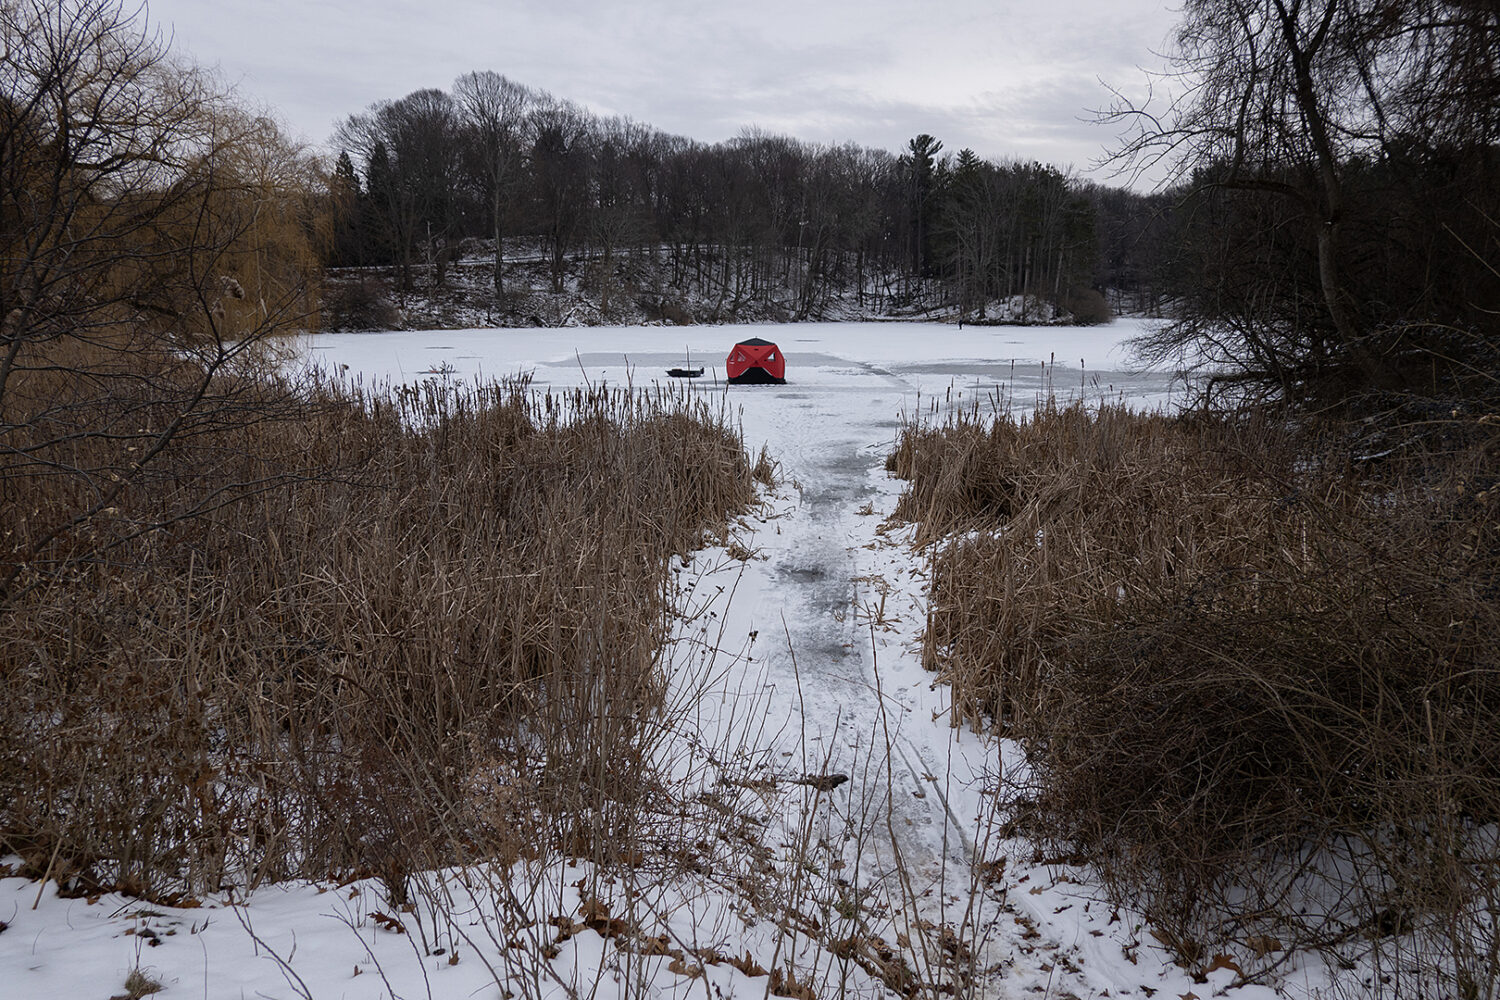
[138,985]
[1256,681]
[432,636]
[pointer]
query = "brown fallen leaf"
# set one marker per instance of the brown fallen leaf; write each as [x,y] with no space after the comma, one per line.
[1225,962]
[678,967]
[747,965]
[388,922]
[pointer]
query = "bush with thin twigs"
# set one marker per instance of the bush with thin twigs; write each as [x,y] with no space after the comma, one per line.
[1256,677]
[358,304]
[432,635]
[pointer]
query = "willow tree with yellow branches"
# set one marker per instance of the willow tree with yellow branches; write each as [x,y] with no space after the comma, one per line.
[155,238]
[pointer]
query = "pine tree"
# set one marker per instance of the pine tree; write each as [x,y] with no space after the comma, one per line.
[920,164]
[347,199]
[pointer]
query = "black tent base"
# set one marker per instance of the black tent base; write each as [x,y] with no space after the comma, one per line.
[756,376]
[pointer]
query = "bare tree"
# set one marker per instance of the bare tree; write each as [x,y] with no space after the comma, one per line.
[1291,99]
[152,238]
[412,145]
[561,162]
[494,115]
[1267,97]
[620,213]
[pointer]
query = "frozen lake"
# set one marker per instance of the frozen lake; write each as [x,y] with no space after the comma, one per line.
[798,653]
[891,362]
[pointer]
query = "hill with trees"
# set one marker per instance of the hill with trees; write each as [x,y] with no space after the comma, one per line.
[641,225]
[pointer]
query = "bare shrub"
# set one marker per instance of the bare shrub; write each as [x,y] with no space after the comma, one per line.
[1255,680]
[358,304]
[675,313]
[1087,306]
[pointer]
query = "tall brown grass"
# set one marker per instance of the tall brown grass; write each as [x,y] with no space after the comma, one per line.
[422,627]
[1255,674]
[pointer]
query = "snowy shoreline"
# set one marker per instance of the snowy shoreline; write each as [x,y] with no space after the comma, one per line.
[797,653]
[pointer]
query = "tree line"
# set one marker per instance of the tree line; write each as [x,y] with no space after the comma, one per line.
[1333,221]
[493,159]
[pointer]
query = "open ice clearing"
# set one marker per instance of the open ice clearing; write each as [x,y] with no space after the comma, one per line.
[799,707]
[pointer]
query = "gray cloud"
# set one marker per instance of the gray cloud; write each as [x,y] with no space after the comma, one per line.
[1005,79]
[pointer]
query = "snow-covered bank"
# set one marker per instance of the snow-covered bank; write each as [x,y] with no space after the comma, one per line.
[647,288]
[795,665]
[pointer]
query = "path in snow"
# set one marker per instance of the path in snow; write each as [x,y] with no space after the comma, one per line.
[828,610]
[837,607]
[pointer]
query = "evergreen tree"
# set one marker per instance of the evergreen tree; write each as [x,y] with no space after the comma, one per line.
[920,164]
[347,198]
[376,227]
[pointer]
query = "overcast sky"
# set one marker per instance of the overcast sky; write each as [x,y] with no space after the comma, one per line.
[1007,78]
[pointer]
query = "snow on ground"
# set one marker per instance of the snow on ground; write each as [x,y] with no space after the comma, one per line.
[798,661]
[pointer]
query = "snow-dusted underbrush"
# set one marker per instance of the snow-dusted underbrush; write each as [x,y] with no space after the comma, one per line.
[663,285]
[1255,683]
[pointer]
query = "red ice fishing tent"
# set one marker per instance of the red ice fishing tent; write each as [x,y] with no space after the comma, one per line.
[755,362]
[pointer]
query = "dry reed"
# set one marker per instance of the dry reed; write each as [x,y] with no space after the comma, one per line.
[1256,676]
[366,633]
